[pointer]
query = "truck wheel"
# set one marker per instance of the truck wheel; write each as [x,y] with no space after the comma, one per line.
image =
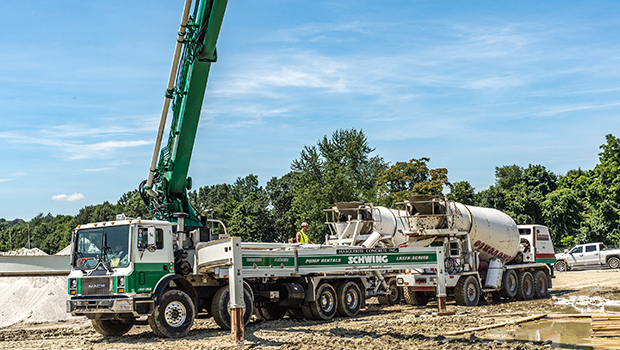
[541,284]
[510,284]
[173,316]
[613,262]
[394,296]
[415,298]
[326,304]
[349,299]
[296,313]
[560,266]
[526,286]
[272,312]
[111,328]
[467,291]
[221,302]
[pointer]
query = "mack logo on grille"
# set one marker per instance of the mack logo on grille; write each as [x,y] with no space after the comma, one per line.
[97,286]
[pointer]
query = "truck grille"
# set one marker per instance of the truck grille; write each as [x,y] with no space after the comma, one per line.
[97,286]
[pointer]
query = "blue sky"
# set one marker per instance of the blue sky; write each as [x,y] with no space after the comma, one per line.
[470,84]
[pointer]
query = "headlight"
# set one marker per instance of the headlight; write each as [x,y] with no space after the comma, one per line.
[73,283]
[121,281]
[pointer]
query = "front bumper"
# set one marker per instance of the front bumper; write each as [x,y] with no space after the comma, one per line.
[86,307]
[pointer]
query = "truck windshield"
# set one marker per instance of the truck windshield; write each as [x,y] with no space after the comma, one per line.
[110,244]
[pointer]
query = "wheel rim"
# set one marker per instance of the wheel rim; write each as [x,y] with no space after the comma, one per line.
[175,314]
[613,263]
[512,283]
[542,286]
[352,300]
[561,266]
[393,293]
[327,302]
[527,287]
[471,292]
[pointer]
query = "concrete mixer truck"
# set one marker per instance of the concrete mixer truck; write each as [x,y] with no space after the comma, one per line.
[485,252]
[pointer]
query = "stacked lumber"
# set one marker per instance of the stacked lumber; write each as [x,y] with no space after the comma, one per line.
[605,326]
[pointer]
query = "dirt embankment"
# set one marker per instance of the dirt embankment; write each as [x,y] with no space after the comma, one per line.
[395,327]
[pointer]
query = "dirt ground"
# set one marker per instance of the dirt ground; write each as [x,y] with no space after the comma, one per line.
[376,327]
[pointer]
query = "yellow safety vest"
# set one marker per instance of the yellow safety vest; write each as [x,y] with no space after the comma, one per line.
[303,238]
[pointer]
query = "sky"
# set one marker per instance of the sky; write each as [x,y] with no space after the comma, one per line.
[472,85]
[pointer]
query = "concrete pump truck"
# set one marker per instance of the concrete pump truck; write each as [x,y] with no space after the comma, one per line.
[168,271]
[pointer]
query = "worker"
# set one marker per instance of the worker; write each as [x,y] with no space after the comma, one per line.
[302,236]
[119,257]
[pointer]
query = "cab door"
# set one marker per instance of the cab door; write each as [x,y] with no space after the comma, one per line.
[151,261]
[591,254]
[575,256]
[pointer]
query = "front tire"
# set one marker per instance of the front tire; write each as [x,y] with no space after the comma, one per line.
[111,328]
[173,316]
[467,291]
[560,266]
[415,298]
[221,302]
[526,286]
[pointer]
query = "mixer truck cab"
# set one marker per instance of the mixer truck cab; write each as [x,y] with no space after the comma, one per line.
[536,244]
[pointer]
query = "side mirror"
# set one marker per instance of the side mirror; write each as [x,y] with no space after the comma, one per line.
[150,240]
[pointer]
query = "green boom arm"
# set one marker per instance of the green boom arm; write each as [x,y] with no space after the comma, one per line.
[167,185]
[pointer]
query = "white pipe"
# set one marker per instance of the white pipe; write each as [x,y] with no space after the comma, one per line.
[164,112]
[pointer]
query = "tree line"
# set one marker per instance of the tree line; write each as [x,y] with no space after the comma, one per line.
[580,206]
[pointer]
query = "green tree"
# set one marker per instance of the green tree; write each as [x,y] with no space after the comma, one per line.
[405,179]
[462,192]
[338,169]
[280,197]
[251,220]
[562,211]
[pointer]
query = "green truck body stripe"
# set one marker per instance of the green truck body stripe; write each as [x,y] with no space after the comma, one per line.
[366,259]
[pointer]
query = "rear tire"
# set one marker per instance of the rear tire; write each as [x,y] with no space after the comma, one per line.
[541,284]
[220,303]
[295,313]
[510,284]
[111,328]
[415,298]
[326,304]
[272,312]
[526,286]
[467,291]
[613,262]
[173,316]
[395,294]
[349,299]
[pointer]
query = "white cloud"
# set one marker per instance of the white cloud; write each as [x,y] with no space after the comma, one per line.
[68,198]
[5,180]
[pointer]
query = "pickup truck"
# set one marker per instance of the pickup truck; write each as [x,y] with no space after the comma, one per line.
[591,254]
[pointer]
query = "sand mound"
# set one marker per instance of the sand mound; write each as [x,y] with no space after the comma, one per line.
[24,252]
[33,299]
